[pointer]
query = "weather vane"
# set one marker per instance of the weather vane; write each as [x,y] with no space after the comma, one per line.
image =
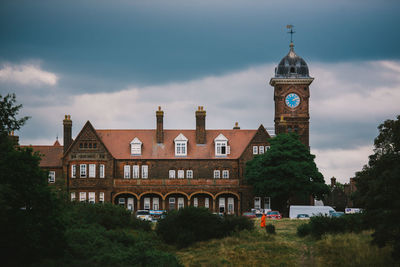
[291,31]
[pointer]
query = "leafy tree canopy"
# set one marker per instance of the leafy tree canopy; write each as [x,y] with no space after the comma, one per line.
[285,171]
[8,113]
[378,186]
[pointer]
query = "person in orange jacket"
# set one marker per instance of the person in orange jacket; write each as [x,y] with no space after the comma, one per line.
[263,217]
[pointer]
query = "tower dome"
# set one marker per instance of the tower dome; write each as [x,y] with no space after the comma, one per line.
[292,66]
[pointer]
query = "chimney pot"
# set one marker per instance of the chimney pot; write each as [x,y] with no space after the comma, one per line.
[236,126]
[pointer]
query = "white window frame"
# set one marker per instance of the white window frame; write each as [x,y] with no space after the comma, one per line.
[102,171]
[92,197]
[207,203]
[221,204]
[181,145]
[136,147]
[121,201]
[73,171]
[156,203]
[82,170]
[261,149]
[145,171]
[255,150]
[181,203]
[73,196]
[92,170]
[135,171]
[130,204]
[189,174]
[146,203]
[257,202]
[267,148]
[181,174]
[267,200]
[82,196]
[101,197]
[225,174]
[217,174]
[231,205]
[127,171]
[171,201]
[221,146]
[52,177]
[171,174]
[195,202]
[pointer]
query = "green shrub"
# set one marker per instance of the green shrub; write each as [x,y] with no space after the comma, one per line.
[320,225]
[304,229]
[270,228]
[186,226]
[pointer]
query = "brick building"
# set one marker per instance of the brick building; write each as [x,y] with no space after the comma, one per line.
[169,169]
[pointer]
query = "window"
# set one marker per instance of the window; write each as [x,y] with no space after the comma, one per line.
[257,202]
[261,149]
[221,205]
[73,171]
[82,169]
[207,202]
[92,170]
[135,171]
[255,150]
[221,146]
[267,148]
[171,174]
[180,145]
[231,205]
[225,174]
[181,174]
[195,202]
[127,171]
[181,203]
[156,203]
[101,171]
[121,201]
[136,147]
[130,204]
[101,197]
[189,174]
[267,203]
[145,171]
[52,176]
[82,196]
[92,197]
[171,203]
[217,174]
[73,196]
[146,203]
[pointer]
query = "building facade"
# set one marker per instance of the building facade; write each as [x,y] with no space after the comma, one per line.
[170,169]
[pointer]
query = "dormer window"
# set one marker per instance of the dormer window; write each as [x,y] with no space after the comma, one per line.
[221,146]
[180,145]
[136,147]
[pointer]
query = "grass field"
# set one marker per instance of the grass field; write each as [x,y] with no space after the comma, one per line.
[285,248]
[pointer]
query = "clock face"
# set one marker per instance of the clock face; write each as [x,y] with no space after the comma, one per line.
[292,100]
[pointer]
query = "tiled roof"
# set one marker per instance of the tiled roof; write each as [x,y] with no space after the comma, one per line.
[51,155]
[118,143]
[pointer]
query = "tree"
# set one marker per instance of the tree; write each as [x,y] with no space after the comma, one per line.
[285,172]
[30,221]
[378,187]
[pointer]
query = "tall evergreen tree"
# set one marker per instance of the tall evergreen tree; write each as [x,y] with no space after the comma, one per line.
[286,171]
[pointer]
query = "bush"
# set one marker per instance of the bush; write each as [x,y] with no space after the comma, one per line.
[270,228]
[186,226]
[320,225]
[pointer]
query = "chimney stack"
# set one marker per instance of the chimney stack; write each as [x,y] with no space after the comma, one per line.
[333,182]
[200,125]
[160,126]
[67,132]
[236,126]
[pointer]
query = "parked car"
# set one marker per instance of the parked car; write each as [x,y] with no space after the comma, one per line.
[249,214]
[143,215]
[303,216]
[337,214]
[274,215]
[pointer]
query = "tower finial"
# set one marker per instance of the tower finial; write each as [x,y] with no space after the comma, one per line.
[290,26]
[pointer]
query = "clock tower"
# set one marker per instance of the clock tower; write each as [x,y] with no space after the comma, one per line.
[291,95]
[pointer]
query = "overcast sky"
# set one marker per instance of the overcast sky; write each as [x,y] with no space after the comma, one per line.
[115,62]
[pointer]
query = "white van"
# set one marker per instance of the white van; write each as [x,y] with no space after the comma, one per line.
[309,210]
